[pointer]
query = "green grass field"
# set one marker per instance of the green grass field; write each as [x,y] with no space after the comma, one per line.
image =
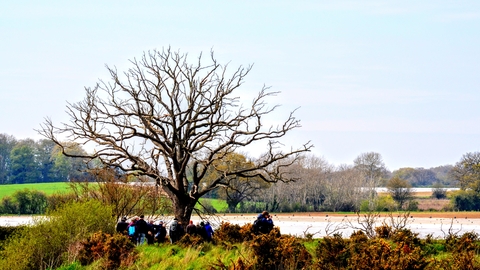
[219,205]
[47,188]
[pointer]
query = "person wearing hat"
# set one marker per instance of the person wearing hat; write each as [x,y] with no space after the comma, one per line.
[122,226]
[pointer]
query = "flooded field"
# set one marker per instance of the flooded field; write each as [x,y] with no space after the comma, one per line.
[320,225]
[323,225]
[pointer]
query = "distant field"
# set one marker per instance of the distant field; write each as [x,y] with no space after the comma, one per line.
[47,188]
[219,205]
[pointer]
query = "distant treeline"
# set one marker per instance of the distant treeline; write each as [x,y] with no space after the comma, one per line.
[30,161]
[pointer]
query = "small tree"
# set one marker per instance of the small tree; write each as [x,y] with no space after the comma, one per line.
[467,171]
[438,191]
[400,190]
[239,188]
[165,114]
[125,194]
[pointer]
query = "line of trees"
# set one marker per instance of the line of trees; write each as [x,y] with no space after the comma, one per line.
[320,186]
[325,187]
[30,161]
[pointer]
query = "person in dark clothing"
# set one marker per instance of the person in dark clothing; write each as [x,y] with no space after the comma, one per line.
[141,228]
[122,226]
[175,231]
[151,232]
[161,233]
[263,224]
[201,230]
[191,228]
[181,232]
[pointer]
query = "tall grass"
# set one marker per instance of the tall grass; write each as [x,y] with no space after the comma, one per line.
[167,256]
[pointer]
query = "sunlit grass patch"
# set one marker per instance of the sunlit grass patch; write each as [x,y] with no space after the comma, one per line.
[47,188]
[167,256]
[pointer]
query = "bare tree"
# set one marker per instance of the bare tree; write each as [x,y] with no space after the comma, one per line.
[371,166]
[343,190]
[365,223]
[165,113]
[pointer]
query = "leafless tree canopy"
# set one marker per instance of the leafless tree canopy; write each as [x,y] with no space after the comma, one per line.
[165,114]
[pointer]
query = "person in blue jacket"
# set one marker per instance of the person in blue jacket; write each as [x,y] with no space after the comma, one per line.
[263,224]
[209,231]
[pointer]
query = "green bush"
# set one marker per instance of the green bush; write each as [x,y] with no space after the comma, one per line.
[53,241]
[7,231]
[466,200]
[383,203]
[24,202]
[333,252]
[58,200]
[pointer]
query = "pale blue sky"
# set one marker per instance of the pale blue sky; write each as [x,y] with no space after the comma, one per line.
[400,78]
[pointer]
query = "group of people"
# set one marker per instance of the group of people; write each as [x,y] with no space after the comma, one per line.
[141,231]
[202,229]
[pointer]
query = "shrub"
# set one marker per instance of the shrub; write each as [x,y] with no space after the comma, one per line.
[7,231]
[333,252]
[383,203]
[406,236]
[47,243]
[24,202]
[361,252]
[383,231]
[412,205]
[275,251]
[458,260]
[466,200]
[438,192]
[56,201]
[247,231]
[378,254]
[230,233]
[188,240]
[466,242]
[115,250]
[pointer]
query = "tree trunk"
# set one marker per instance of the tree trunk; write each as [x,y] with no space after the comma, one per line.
[232,206]
[183,208]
